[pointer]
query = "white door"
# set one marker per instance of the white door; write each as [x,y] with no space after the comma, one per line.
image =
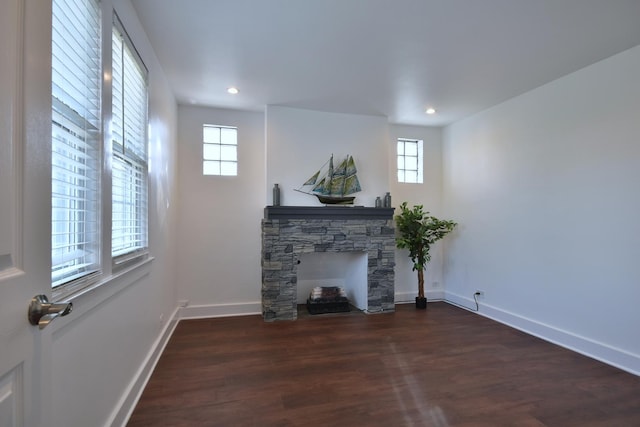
[25,242]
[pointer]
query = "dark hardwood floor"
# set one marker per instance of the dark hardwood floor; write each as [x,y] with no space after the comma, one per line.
[440,367]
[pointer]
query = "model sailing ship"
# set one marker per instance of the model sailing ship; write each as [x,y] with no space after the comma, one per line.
[334,186]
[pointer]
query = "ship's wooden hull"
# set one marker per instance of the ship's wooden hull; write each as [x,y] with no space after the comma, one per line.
[335,200]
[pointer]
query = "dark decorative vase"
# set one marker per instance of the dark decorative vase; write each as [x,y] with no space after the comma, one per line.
[276,195]
[421,303]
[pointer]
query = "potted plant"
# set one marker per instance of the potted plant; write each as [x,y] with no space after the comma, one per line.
[419,230]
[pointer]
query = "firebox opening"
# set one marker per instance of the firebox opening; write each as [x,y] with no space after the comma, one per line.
[347,270]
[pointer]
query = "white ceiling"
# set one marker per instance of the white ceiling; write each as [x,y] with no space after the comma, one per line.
[381,57]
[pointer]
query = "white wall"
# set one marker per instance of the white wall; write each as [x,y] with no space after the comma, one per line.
[428,194]
[299,142]
[545,188]
[219,240]
[99,350]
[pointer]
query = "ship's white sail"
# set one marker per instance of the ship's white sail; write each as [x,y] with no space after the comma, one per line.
[335,185]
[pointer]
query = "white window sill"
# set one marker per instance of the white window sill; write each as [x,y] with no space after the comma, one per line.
[88,298]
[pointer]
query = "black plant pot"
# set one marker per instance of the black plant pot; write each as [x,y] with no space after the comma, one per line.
[421,303]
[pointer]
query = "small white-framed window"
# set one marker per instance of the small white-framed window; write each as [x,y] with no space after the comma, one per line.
[409,160]
[219,150]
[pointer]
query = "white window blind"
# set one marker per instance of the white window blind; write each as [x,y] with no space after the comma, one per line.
[129,235]
[219,150]
[409,160]
[76,82]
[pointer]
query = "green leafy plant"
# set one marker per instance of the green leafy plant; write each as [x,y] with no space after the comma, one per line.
[419,230]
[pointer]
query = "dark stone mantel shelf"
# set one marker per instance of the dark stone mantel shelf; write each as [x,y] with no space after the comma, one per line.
[327,212]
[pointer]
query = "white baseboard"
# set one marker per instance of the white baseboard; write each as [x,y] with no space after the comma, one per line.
[410,297]
[249,308]
[121,414]
[220,310]
[596,350]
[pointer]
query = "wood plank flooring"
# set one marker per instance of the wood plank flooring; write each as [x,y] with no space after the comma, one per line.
[440,367]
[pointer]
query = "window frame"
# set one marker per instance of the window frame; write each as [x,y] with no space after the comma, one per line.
[402,157]
[76,145]
[213,151]
[109,267]
[134,161]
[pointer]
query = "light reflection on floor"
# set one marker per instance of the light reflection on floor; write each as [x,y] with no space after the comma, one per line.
[432,416]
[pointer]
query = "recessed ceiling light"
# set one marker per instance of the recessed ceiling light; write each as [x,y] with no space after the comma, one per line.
[430,110]
[233,90]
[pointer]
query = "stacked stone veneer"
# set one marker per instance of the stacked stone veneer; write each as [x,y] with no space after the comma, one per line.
[283,240]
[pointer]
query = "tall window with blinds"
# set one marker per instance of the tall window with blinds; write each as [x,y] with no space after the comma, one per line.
[76,136]
[129,235]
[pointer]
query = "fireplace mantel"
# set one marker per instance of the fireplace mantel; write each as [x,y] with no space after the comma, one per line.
[327,212]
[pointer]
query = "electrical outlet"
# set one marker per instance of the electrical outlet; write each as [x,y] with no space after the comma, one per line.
[183,303]
[479,293]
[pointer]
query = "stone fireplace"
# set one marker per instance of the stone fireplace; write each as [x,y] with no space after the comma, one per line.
[288,232]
